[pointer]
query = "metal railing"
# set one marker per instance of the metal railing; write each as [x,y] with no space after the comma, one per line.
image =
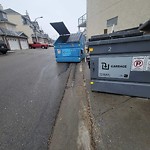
[82,21]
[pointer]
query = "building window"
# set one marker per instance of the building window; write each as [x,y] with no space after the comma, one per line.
[4,16]
[24,21]
[112,21]
[105,31]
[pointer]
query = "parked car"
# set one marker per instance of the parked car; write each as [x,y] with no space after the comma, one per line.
[38,45]
[3,47]
[50,45]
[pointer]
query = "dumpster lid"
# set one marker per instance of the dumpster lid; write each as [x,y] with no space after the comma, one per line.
[60,28]
[74,37]
[132,32]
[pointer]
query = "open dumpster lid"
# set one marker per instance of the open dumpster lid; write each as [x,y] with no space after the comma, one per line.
[60,28]
[74,37]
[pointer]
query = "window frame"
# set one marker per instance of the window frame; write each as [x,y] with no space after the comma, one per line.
[112,21]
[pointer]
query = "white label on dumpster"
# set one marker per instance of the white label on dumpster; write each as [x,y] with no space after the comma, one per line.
[148,64]
[114,67]
[66,52]
[138,63]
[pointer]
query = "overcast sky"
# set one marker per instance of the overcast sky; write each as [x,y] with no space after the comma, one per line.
[67,11]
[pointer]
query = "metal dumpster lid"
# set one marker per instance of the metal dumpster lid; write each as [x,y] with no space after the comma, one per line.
[132,32]
[60,28]
[74,37]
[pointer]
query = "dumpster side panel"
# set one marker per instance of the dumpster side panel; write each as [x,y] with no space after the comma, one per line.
[123,88]
[70,48]
[128,75]
[121,46]
[69,53]
[121,68]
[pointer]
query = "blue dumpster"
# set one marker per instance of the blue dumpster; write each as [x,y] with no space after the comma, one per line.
[68,47]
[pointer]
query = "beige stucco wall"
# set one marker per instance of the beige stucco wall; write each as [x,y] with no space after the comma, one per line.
[17,19]
[2,25]
[8,26]
[130,14]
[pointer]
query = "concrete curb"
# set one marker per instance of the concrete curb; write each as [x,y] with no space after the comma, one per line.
[72,128]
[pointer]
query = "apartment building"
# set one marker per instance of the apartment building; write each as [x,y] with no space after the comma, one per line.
[14,39]
[105,16]
[30,28]
[23,22]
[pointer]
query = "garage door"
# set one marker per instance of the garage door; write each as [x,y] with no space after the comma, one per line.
[14,44]
[24,44]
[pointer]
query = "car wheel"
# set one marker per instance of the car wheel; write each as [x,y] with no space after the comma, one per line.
[4,52]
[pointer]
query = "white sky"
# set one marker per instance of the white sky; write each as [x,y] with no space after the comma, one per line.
[67,11]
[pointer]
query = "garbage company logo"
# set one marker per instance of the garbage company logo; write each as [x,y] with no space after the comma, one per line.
[118,66]
[114,67]
[138,63]
[105,66]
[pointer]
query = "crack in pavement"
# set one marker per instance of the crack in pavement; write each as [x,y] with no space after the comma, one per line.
[116,107]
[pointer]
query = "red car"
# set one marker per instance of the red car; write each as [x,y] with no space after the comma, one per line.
[38,45]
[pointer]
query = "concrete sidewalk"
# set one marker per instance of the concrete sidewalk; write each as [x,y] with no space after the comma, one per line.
[120,122]
[72,128]
[89,120]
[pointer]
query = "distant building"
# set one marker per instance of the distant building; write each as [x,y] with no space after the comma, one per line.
[8,33]
[105,16]
[4,23]
[23,22]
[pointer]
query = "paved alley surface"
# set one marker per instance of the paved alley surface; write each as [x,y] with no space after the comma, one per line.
[119,122]
[32,85]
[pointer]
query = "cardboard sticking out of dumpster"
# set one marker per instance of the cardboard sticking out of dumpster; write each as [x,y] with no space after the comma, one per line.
[145,27]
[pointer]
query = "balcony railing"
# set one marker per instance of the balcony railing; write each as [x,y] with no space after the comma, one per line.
[82,21]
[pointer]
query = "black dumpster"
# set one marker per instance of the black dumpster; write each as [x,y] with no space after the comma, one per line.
[120,63]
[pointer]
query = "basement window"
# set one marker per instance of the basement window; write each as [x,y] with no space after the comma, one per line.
[4,16]
[112,21]
[105,31]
